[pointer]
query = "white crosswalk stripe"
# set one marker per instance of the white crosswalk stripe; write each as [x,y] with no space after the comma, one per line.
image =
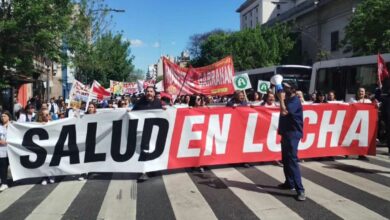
[188,201]
[383,171]
[120,200]
[369,186]
[262,204]
[12,194]
[339,205]
[185,198]
[51,208]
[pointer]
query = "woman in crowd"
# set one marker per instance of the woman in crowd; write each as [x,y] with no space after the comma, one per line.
[4,163]
[61,109]
[44,118]
[361,96]
[269,100]
[320,98]
[255,98]
[237,100]
[195,101]
[331,96]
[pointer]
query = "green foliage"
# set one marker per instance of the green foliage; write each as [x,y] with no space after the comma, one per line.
[98,54]
[369,29]
[112,60]
[31,29]
[250,48]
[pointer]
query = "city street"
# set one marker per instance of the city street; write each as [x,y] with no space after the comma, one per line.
[340,189]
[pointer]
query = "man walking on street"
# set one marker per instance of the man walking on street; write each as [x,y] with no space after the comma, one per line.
[147,102]
[291,130]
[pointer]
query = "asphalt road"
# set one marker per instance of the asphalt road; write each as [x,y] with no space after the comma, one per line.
[340,189]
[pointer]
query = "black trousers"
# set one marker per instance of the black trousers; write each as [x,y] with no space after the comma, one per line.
[4,163]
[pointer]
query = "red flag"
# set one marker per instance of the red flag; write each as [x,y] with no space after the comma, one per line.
[382,69]
[100,91]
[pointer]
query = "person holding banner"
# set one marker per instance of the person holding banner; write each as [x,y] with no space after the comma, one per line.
[237,100]
[44,117]
[4,163]
[291,130]
[147,102]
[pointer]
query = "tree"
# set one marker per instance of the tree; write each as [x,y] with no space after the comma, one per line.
[369,29]
[196,41]
[250,48]
[112,59]
[30,30]
[98,53]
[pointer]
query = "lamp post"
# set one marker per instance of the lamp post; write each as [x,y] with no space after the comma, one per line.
[48,64]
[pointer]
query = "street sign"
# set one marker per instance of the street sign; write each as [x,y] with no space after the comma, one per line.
[263,86]
[242,82]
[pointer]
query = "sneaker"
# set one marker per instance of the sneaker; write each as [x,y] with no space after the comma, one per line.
[201,169]
[143,177]
[286,186]
[44,182]
[247,165]
[3,187]
[301,196]
[51,180]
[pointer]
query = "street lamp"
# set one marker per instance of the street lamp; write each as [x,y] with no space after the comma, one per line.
[48,64]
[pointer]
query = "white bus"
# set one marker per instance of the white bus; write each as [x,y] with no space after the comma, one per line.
[293,74]
[346,75]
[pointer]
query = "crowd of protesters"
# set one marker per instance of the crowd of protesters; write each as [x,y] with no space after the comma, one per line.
[40,111]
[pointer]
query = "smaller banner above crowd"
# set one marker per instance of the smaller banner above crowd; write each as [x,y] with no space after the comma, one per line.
[78,93]
[122,88]
[242,82]
[215,79]
[142,84]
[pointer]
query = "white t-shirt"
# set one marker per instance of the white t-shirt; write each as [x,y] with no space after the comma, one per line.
[3,136]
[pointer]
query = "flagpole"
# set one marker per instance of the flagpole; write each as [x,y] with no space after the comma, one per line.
[89,95]
[184,81]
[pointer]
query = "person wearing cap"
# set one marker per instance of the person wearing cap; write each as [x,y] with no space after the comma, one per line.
[291,130]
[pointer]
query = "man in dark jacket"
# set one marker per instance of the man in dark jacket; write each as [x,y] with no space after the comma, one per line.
[291,130]
[147,102]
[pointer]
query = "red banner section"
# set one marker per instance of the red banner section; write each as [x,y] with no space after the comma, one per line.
[215,79]
[204,136]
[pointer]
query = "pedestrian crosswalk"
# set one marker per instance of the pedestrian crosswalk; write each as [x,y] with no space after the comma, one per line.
[341,189]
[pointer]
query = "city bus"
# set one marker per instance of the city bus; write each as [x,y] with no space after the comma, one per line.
[346,75]
[293,74]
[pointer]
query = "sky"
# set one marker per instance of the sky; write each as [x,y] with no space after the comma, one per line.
[161,27]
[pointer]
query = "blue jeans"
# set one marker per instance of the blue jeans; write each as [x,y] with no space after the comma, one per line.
[290,163]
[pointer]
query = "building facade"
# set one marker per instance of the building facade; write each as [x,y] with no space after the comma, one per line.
[258,12]
[318,24]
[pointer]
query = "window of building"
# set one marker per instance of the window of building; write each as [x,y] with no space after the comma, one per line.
[278,6]
[334,41]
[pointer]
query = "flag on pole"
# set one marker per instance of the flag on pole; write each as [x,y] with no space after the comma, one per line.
[100,91]
[383,73]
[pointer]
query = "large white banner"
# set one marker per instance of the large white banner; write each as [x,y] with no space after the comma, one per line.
[109,141]
[143,141]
